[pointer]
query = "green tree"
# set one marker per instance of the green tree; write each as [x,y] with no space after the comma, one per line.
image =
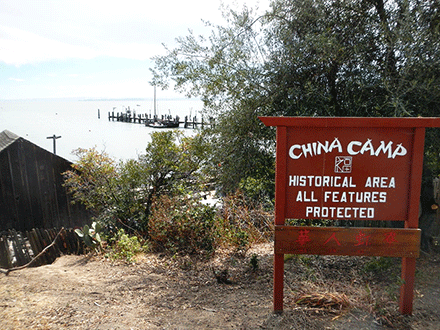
[122,194]
[107,188]
[356,58]
[225,70]
[172,165]
[92,180]
[306,58]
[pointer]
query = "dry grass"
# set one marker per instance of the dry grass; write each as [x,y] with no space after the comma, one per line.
[326,300]
[340,285]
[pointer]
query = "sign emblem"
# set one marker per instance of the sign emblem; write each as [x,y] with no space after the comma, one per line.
[343,164]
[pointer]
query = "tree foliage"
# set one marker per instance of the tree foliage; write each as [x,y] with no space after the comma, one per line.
[122,194]
[307,58]
[92,179]
[356,58]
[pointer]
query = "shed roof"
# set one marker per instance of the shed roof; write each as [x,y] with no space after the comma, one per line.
[7,138]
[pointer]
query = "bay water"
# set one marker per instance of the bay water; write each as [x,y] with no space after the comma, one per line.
[77,122]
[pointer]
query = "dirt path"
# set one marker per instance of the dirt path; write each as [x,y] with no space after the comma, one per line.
[158,292]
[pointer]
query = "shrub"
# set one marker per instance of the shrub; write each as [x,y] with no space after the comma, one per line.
[125,247]
[242,222]
[120,194]
[90,235]
[181,224]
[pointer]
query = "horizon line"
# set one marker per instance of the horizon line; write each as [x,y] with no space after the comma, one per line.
[87,99]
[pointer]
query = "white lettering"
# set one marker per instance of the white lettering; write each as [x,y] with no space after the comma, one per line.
[307,148]
[355,197]
[335,145]
[350,147]
[380,182]
[400,151]
[321,181]
[292,149]
[318,181]
[367,197]
[292,180]
[392,183]
[368,146]
[326,195]
[388,148]
[322,147]
[314,148]
[340,212]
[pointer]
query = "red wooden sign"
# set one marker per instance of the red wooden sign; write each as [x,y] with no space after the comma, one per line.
[348,173]
[349,169]
[347,241]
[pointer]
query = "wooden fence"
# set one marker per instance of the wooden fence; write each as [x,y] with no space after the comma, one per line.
[436,183]
[17,249]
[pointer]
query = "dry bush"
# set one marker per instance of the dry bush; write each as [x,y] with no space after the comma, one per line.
[338,285]
[243,223]
[181,224]
[327,300]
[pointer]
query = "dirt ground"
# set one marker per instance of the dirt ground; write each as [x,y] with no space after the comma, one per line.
[181,292]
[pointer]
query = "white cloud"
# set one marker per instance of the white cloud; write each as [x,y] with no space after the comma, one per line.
[32,32]
[36,31]
[47,31]
[20,47]
[16,79]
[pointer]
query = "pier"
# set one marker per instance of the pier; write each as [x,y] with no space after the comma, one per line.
[131,117]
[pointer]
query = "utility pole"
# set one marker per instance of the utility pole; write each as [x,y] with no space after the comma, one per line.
[54,137]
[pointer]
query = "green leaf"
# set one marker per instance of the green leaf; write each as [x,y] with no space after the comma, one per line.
[86,230]
[79,233]
[97,238]
[96,226]
[88,241]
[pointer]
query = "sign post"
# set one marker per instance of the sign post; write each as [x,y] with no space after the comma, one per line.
[349,169]
[54,137]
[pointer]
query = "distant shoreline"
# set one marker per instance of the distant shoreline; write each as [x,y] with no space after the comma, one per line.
[82,99]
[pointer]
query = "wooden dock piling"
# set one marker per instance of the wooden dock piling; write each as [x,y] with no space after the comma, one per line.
[133,117]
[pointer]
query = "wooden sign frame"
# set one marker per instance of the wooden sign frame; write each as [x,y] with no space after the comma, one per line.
[314,160]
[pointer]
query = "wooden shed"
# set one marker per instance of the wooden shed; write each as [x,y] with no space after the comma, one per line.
[31,190]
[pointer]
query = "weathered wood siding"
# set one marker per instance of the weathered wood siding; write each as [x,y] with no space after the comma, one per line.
[31,191]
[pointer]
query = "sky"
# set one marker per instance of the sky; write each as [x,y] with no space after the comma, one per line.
[93,48]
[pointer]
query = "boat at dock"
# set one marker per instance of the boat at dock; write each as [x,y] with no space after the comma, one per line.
[167,122]
[162,122]
[129,115]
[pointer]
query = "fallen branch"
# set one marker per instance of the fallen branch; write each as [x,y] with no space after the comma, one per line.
[7,271]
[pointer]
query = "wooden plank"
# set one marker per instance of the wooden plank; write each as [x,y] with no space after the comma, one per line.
[280,209]
[51,234]
[51,254]
[42,243]
[409,264]
[21,243]
[59,244]
[19,254]
[32,237]
[358,241]
[68,246]
[351,122]
[35,242]
[5,255]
